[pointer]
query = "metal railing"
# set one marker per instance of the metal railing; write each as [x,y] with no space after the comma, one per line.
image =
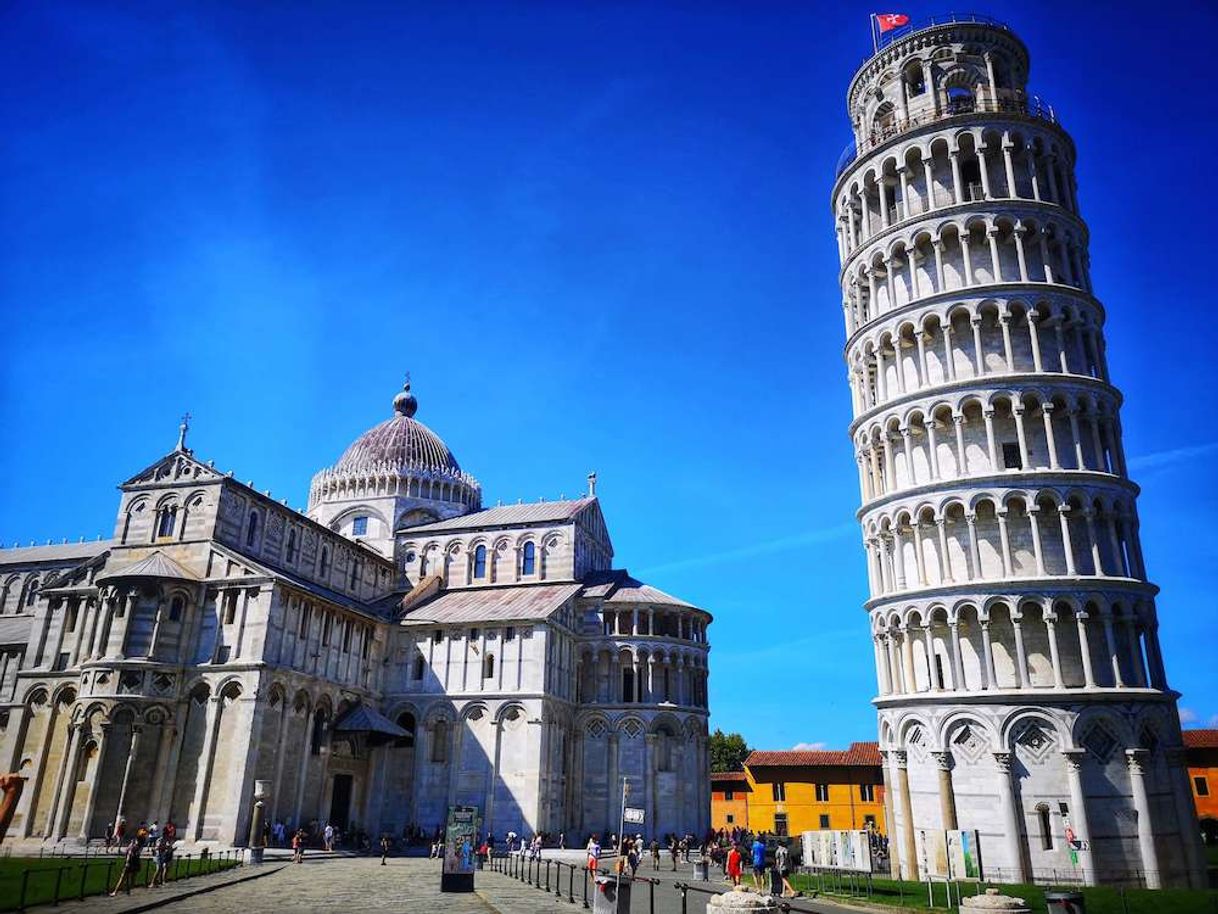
[1017,103]
[889,37]
[93,876]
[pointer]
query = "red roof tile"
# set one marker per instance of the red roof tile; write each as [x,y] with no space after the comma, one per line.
[729,776]
[1201,739]
[865,754]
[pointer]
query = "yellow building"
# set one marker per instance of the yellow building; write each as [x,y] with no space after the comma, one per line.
[798,791]
[729,800]
[1202,758]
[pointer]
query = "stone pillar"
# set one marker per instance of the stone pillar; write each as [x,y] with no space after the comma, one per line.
[91,803]
[206,759]
[1078,810]
[65,786]
[909,852]
[947,795]
[136,730]
[894,856]
[1010,818]
[1136,759]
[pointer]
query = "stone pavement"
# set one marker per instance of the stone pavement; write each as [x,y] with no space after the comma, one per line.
[409,885]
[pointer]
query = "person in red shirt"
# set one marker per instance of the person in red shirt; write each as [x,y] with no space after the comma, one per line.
[733,865]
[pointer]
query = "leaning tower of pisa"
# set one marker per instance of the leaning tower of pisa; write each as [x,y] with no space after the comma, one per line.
[1022,694]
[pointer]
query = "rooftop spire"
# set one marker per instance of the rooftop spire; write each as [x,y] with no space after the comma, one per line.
[592,484]
[404,404]
[182,430]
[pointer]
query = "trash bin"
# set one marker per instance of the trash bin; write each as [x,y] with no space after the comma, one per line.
[1065,903]
[611,898]
[702,870]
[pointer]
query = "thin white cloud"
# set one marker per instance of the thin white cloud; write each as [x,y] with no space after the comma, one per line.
[781,544]
[1188,716]
[1213,721]
[807,747]
[1172,455]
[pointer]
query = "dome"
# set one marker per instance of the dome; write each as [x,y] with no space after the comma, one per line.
[400,457]
[402,443]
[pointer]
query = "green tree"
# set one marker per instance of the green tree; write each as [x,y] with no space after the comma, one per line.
[728,751]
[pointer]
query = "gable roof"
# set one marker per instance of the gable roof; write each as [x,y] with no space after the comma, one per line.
[54,552]
[545,512]
[738,780]
[491,604]
[157,565]
[617,586]
[861,754]
[1201,739]
[176,466]
[365,719]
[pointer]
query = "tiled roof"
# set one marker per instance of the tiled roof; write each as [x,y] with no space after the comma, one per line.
[363,719]
[544,512]
[56,552]
[491,604]
[726,777]
[618,586]
[157,565]
[864,754]
[1201,739]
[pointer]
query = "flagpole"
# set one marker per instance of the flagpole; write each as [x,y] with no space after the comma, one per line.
[875,40]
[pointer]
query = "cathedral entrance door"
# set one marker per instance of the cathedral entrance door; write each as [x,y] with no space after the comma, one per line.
[340,801]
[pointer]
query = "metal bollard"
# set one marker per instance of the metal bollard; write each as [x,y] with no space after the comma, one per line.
[651,901]
[585,887]
[684,890]
[571,885]
[558,879]
[547,875]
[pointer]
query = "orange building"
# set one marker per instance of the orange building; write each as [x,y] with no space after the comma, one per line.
[788,793]
[1202,755]
[730,799]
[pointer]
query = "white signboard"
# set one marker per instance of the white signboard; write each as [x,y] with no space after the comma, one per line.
[633,815]
[849,851]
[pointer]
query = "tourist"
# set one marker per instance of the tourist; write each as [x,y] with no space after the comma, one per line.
[594,855]
[562,841]
[142,834]
[733,865]
[758,863]
[782,864]
[385,843]
[154,831]
[170,831]
[163,855]
[672,851]
[131,867]
[109,835]
[328,837]
[298,843]
[655,854]
[631,855]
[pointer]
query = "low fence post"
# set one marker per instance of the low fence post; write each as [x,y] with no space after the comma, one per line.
[651,902]
[25,880]
[571,885]
[84,875]
[547,875]
[585,887]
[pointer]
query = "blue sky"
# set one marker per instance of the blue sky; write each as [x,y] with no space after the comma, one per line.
[599,236]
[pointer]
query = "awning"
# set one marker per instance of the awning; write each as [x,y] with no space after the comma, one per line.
[364,719]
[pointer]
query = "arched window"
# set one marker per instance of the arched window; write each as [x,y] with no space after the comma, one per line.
[423,563]
[325,562]
[319,731]
[1046,830]
[292,550]
[169,516]
[251,531]
[406,722]
[528,561]
[176,605]
[488,666]
[480,562]
[439,741]
[31,593]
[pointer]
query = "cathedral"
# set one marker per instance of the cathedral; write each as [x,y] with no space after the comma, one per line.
[394,650]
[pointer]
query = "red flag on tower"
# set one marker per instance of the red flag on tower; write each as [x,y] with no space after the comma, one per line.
[889,21]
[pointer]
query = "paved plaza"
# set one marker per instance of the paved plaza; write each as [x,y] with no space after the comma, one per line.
[408,885]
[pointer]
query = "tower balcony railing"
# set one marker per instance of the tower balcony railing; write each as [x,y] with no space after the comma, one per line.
[1017,103]
[895,35]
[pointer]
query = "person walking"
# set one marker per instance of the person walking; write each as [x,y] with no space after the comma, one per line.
[733,865]
[655,854]
[672,851]
[131,867]
[594,855]
[163,855]
[385,843]
[298,841]
[782,863]
[758,863]
[328,836]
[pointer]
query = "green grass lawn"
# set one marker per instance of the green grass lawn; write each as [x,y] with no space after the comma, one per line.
[1100,899]
[73,877]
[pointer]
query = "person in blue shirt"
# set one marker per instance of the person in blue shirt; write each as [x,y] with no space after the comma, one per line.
[758,863]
